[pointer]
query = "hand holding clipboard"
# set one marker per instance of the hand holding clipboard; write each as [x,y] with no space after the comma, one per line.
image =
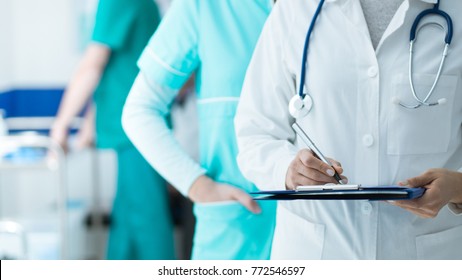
[337,192]
[342,192]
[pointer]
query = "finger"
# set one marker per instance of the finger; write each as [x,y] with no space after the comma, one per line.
[417,212]
[421,180]
[334,162]
[407,203]
[408,208]
[296,178]
[431,200]
[246,200]
[415,206]
[337,165]
[308,159]
[339,169]
[84,143]
[420,213]
[64,147]
[315,175]
[301,180]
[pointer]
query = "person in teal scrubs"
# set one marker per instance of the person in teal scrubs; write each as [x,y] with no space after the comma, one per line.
[214,40]
[141,225]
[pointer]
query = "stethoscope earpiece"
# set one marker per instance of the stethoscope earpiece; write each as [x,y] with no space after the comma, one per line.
[395,100]
[442,101]
[298,107]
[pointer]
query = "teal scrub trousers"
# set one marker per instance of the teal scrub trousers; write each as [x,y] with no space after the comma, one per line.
[141,223]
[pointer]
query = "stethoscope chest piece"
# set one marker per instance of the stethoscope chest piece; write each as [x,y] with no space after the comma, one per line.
[299,107]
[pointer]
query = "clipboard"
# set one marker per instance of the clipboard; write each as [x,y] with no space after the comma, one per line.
[342,192]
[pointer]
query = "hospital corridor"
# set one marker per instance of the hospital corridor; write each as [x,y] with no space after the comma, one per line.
[56,203]
[241,130]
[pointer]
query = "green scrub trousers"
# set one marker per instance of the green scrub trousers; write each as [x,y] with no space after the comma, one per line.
[141,225]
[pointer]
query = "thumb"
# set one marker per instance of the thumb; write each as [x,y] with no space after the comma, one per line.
[246,200]
[419,181]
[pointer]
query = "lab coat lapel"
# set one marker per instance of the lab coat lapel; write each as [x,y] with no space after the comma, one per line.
[403,12]
[354,13]
[395,23]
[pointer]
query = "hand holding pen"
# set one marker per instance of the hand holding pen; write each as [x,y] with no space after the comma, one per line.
[310,167]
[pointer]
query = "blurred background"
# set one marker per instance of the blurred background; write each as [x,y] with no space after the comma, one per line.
[56,205]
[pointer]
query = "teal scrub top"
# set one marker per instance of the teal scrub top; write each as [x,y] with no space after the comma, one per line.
[124,26]
[214,39]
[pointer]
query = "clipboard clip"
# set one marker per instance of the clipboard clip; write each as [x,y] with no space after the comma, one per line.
[328,187]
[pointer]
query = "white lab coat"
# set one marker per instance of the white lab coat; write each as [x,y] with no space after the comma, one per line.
[354,121]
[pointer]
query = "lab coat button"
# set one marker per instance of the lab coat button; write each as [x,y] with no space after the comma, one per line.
[366,208]
[368,140]
[372,72]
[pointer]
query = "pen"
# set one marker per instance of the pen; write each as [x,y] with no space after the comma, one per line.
[315,149]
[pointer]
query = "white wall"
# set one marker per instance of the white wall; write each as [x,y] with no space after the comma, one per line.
[5,44]
[42,40]
[44,37]
[39,42]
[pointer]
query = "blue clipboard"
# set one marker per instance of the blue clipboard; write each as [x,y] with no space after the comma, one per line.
[342,192]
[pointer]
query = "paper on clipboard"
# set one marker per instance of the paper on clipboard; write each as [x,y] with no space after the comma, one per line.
[336,192]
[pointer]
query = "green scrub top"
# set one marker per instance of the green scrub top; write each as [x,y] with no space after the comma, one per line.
[125,26]
[215,39]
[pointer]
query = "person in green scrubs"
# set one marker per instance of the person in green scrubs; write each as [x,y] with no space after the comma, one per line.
[141,225]
[215,40]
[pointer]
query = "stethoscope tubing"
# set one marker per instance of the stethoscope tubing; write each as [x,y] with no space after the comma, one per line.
[306,48]
[434,11]
[413,37]
[413,34]
[435,82]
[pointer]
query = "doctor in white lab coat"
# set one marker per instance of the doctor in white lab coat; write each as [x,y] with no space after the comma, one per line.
[355,121]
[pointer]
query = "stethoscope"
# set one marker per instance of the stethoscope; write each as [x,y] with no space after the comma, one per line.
[301,104]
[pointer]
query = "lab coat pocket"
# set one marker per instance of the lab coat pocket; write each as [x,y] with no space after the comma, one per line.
[427,129]
[296,238]
[441,245]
